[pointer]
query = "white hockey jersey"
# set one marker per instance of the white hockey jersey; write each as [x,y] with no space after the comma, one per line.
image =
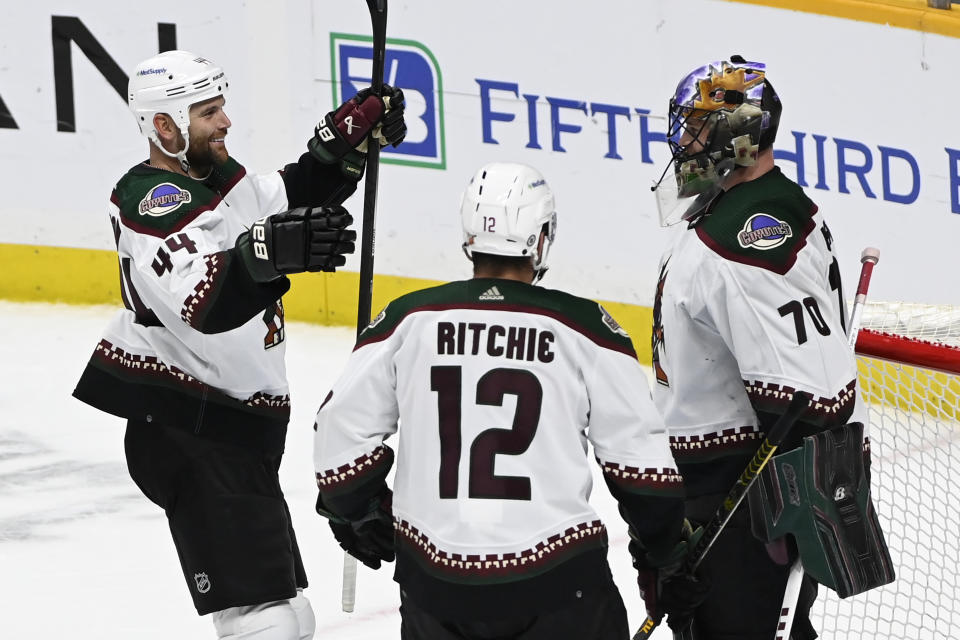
[199,341]
[749,308]
[496,387]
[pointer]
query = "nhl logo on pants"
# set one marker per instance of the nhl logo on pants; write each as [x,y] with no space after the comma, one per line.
[203,582]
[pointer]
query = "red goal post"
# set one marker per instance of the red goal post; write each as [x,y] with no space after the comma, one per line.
[920,353]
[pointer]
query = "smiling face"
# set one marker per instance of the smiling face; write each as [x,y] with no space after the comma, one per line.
[207,129]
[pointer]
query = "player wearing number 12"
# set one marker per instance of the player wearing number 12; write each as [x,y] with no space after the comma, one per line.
[195,363]
[748,311]
[496,386]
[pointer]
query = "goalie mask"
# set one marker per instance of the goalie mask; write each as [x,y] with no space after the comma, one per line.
[720,117]
[504,209]
[170,83]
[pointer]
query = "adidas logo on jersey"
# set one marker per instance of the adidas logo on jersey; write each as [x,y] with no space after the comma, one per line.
[491,294]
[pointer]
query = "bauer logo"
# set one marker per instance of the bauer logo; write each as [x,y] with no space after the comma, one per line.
[163,199]
[764,232]
[409,66]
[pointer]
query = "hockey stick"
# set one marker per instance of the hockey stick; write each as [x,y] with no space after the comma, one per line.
[736,494]
[791,594]
[378,20]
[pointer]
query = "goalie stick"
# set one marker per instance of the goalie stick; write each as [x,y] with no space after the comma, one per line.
[788,609]
[736,494]
[378,21]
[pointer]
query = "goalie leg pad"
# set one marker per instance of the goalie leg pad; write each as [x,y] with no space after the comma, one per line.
[820,494]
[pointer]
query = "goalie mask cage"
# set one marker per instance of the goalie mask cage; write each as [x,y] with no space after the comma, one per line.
[909,363]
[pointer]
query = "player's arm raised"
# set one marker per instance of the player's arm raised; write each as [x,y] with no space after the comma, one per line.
[328,173]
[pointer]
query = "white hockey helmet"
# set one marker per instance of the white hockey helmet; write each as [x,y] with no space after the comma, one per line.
[170,83]
[503,210]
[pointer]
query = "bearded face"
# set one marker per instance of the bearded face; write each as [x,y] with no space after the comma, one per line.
[208,129]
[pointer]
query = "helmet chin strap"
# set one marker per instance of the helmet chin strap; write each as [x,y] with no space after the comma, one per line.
[179,156]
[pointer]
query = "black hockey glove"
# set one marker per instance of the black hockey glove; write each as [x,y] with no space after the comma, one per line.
[369,539]
[342,134]
[664,587]
[303,239]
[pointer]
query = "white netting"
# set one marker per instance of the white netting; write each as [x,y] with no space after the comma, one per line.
[914,431]
[934,323]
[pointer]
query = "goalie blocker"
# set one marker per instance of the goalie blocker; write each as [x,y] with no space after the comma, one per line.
[820,493]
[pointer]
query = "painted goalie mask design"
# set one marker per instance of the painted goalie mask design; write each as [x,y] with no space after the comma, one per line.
[721,116]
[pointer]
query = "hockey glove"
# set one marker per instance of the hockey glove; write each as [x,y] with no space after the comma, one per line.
[303,239]
[342,134]
[664,586]
[369,539]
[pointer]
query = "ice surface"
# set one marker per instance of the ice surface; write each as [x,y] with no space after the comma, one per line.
[83,555]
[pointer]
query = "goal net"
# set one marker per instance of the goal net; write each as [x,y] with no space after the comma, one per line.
[909,363]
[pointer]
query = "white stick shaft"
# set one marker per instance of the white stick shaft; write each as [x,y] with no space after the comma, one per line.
[790,597]
[348,595]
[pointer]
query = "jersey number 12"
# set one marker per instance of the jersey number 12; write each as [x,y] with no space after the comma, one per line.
[447,381]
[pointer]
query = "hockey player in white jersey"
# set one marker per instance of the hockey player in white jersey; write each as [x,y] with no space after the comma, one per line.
[195,362]
[496,386]
[749,309]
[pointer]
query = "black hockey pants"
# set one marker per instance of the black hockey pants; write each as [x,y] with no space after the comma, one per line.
[746,585]
[600,617]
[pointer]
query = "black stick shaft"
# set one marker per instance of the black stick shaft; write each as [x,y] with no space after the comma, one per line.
[767,448]
[378,19]
[735,496]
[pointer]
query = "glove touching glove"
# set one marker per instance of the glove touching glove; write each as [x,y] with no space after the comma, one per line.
[665,587]
[303,239]
[342,134]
